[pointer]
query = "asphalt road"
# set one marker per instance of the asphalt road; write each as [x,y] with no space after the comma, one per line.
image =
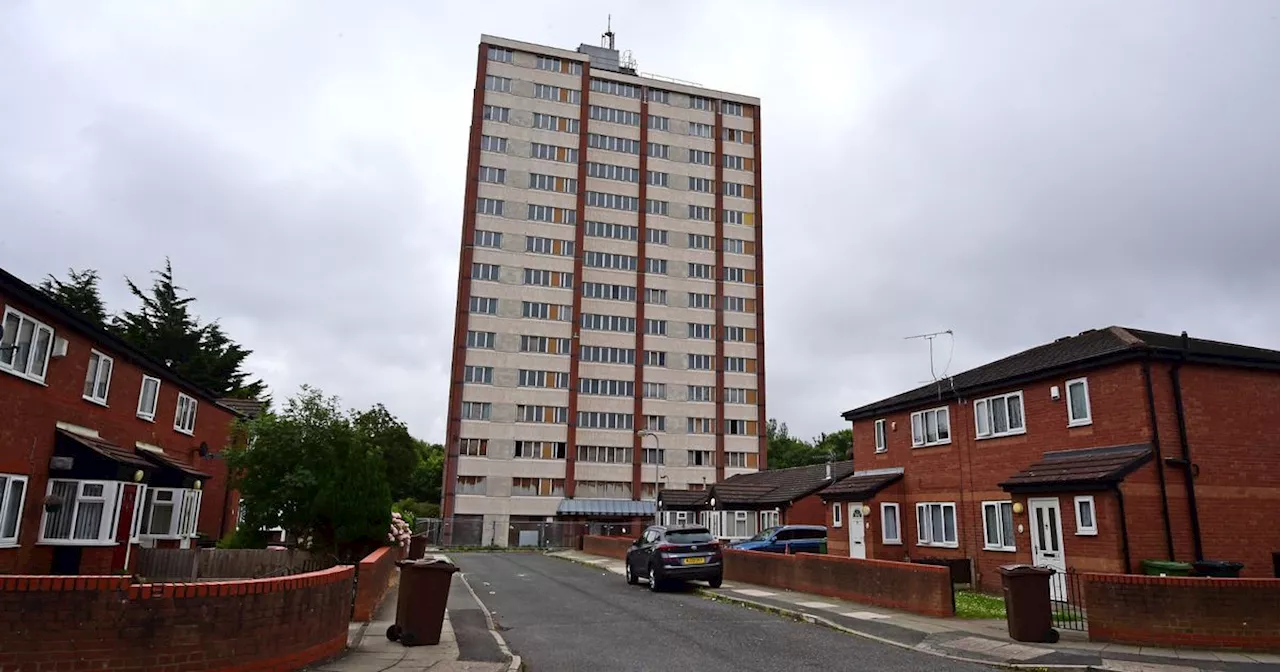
[560,616]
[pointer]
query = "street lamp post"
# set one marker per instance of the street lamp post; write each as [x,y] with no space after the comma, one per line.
[657,463]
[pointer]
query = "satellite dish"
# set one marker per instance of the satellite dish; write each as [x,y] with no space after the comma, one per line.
[204,449]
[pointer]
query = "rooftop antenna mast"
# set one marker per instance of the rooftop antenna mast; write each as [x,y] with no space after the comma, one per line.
[607,38]
[929,337]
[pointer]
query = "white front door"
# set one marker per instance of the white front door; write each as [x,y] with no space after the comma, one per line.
[857,531]
[1046,544]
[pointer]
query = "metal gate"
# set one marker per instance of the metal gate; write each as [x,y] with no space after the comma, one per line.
[1069,613]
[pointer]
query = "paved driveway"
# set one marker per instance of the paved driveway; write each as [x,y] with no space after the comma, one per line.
[561,616]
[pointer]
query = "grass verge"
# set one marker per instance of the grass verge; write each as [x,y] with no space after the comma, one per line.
[976,605]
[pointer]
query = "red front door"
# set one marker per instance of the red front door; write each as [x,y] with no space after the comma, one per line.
[124,526]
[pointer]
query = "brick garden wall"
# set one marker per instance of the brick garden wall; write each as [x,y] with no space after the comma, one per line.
[1177,611]
[375,573]
[612,547]
[923,589]
[104,622]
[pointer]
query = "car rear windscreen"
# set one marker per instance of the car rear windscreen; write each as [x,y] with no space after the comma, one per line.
[690,537]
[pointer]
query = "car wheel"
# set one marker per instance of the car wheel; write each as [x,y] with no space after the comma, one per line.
[631,575]
[716,582]
[654,584]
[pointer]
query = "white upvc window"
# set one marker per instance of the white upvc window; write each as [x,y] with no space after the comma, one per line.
[170,513]
[882,441]
[936,524]
[13,492]
[1086,516]
[97,380]
[25,345]
[184,420]
[997,526]
[931,427]
[1000,415]
[890,523]
[837,514]
[768,519]
[738,524]
[1078,411]
[86,516]
[148,396]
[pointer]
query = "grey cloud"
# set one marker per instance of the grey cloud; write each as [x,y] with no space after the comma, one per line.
[1012,172]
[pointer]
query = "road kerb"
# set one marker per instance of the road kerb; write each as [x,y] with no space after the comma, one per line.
[819,620]
[514,664]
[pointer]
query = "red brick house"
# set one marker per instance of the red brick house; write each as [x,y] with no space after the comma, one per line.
[102,449]
[1093,452]
[742,505]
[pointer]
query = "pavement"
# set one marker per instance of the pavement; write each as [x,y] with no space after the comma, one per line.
[961,640]
[564,617]
[468,642]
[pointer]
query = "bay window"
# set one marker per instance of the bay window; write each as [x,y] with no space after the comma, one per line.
[13,491]
[936,524]
[170,513]
[86,514]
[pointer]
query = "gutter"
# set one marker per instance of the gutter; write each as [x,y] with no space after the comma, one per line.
[1188,468]
[1155,441]
[1124,529]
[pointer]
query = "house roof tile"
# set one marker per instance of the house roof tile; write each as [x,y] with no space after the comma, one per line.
[863,485]
[775,487]
[1087,347]
[1081,469]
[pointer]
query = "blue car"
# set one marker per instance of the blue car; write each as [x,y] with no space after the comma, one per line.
[786,539]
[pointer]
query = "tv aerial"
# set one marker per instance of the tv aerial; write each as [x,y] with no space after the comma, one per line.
[930,337]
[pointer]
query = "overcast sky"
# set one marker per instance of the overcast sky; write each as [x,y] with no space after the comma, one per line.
[1012,171]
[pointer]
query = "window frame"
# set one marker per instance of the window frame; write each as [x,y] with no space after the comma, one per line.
[149,416]
[179,425]
[881,439]
[1088,407]
[97,359]
[8,483]
[924,533]
[1086,530]
[37,325]
[924,441]
[110,499]
[986,402]
[837,514]
[1006,545]
[184,520]
[897,523]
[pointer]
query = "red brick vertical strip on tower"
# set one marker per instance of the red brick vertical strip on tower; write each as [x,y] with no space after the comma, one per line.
[762,418]
[642,238]
[454,426]
[575,344]
[719,271]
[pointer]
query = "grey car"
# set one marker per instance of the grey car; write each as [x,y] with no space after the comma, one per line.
[677,553]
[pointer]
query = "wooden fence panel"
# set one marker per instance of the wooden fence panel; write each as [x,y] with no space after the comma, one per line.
[196,564]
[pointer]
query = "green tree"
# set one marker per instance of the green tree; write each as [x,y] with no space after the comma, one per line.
[786,450]
[400,451]
[79,292]
[835,446]
[164,328]
[316,471]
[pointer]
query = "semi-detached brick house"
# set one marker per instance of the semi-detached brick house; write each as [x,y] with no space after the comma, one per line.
[102,449]
[1093,452]
[742,505]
